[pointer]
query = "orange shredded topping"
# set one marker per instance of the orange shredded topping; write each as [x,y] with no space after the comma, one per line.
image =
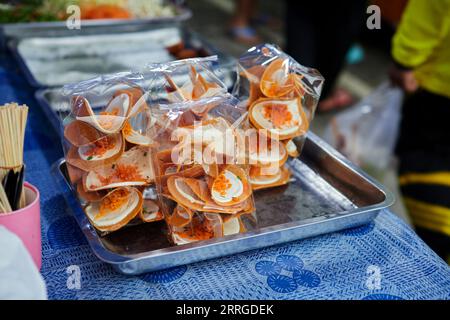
[105,11]
[127,129]
[113,112]
[112,202]
[122,172]
[221,184]
[273,89]
[198,231]
[126,172]
[255,171]
[279,114]
[100,147]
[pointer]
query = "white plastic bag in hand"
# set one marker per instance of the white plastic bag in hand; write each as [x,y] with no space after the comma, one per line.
[367,132]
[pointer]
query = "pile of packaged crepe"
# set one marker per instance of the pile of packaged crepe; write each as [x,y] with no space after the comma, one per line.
[181,148]
[107,148]
[281,97]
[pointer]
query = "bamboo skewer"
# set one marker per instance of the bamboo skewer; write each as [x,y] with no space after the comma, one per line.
[13,118]
[4,203]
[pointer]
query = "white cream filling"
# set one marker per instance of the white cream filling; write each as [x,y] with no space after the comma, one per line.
[258,116]
[108,154]
[280,77]
[114,216]
[291,147]
[264,180]
[181,186]
[121,102]
[232,226]
[275,154]
[236,189]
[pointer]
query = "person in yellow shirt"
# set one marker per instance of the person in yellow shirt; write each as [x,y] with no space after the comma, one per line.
[421,54]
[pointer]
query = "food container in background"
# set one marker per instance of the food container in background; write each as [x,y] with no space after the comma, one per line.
[26,223]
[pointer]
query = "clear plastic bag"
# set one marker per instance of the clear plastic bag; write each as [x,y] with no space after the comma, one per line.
[281,97]
[366,133]
[199,158]
[106,141]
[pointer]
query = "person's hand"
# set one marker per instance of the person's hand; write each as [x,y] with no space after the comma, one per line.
[403,78]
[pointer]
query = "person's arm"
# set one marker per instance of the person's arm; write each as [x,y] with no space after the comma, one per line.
[420,31]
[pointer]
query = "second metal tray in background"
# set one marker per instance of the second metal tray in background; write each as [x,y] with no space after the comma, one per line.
[56,61]
[329,194]
[59,28]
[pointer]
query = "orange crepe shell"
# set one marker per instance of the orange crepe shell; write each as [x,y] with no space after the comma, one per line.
[116,220]
[132,169]
[134,93]
[198,197]
[241,175]
[109,121]
[246,206]
[253,75]
[268,181]
[256,171]
[180,217]
[258,153]
[150,211]
[200,228]
[291,148]
[255,112]
[232,225]
[74,158]
[136,127]
[277,81]
[88,196]
[75,174]
[79,133]
[201,87]
[183,193]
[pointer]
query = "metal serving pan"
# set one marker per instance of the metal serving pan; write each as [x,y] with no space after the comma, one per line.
[59,28]
[56,61]
[329,194]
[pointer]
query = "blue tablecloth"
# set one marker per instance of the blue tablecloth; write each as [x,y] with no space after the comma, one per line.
[382,260]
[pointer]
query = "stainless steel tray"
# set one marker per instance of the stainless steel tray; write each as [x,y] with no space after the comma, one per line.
[59,28]
[56,61]
[328,194]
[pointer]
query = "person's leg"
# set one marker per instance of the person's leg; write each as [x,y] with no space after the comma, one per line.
[423,150]
[301,32]
[240,27]
[243,12]
[342,23]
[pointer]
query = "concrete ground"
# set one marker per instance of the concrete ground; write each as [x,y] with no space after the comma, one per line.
[211,18]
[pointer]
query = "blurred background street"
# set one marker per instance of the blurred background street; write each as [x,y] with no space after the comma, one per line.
[367,62]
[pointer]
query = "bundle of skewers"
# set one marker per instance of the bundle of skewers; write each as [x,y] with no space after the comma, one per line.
[13,119]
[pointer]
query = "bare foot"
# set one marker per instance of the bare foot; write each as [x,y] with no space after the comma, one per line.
[339,99]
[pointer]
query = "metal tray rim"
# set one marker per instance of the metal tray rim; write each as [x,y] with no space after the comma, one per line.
[116,259]
[183,14]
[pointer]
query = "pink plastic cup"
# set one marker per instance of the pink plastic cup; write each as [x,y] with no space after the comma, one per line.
[26,223]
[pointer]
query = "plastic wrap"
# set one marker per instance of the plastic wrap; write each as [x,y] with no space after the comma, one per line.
[107,145]
[281,97]
[199,159]
[367,132]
